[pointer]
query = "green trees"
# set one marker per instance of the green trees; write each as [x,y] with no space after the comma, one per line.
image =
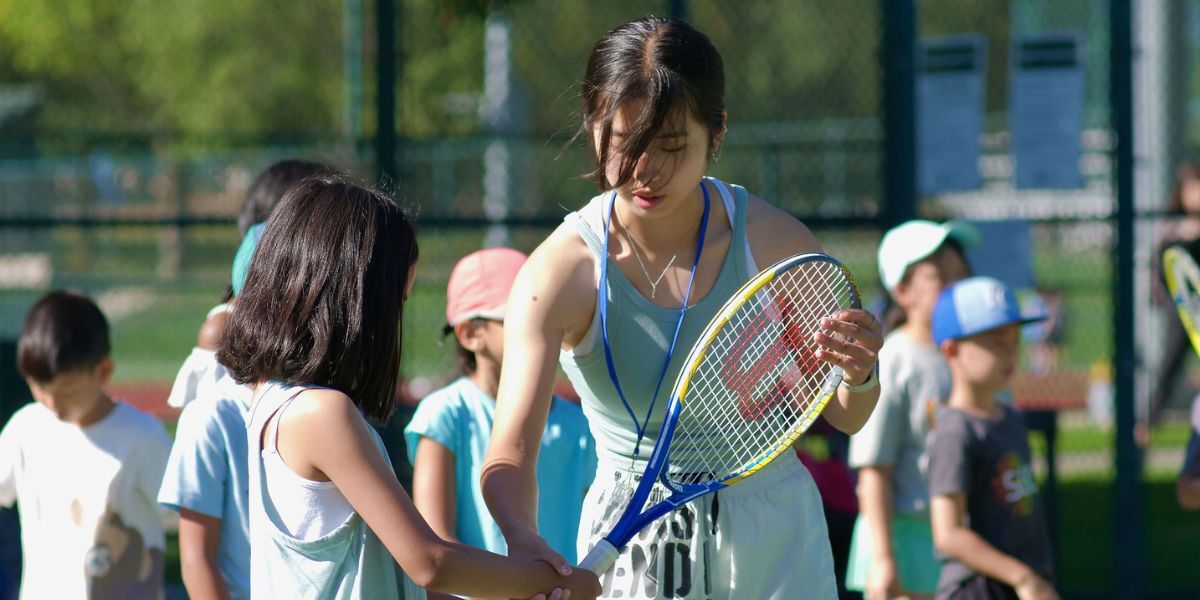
[263,68]
[193,66]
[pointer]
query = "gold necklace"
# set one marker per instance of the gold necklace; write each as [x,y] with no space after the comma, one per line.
[653,282]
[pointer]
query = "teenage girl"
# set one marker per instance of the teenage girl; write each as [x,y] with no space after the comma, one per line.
[674,245]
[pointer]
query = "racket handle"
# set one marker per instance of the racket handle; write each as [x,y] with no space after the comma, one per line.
[601,558]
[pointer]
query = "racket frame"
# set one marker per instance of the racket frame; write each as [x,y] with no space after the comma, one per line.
[633,519]
[1180,271]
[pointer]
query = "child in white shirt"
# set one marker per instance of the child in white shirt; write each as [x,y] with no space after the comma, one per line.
[84,468]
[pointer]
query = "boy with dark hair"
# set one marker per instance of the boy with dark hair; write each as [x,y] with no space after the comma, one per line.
[987,522]
[84,468]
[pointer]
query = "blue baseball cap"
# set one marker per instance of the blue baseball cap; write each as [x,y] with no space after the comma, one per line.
[975,305]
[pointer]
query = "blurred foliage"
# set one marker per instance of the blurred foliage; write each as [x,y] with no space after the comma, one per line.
[202,67]
[258,67]
[195,66]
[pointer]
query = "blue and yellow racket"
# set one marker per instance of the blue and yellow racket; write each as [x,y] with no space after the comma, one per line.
[1183,282]
[749,387]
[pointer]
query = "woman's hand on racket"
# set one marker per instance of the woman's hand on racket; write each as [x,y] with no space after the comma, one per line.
[851,339]
[532,546]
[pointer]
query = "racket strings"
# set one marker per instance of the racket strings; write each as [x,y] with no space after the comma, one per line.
[760,382]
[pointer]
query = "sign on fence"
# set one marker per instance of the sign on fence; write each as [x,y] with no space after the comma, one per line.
[950,93]
[1046,110]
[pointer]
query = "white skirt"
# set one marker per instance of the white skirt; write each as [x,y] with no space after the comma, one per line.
[763,538]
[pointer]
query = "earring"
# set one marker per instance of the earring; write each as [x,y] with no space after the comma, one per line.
[716,153]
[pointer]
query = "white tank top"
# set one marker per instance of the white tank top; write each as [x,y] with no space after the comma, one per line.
[307,509]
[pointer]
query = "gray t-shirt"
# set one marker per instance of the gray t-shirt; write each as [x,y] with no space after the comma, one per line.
[988,460]
[914,381]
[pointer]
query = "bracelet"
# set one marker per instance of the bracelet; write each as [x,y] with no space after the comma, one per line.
[870,383]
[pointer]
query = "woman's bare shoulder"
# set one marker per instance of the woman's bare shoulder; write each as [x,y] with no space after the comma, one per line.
[560,259]
[775,234]
[558,281]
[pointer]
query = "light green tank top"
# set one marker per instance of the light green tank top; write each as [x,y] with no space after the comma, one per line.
[639,333]
[349,563]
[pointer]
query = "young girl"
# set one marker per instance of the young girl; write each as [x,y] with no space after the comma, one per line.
[664,246]
[448,435]
[891,552]
[317,332]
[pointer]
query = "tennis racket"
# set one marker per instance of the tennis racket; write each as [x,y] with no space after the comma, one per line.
[750,386]
[1183,282]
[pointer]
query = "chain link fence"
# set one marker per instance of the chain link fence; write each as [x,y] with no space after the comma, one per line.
[1069,236]
[486,114]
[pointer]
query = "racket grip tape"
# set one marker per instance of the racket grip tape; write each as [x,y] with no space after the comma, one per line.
[601,558]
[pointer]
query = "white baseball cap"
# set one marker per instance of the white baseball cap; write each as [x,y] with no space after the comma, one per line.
[913,241]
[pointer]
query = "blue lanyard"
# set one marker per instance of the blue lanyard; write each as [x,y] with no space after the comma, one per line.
[602,292]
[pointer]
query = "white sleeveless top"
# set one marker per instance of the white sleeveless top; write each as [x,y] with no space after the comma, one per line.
[345,563]
[307,509]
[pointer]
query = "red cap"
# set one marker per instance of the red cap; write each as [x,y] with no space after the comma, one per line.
[479,284]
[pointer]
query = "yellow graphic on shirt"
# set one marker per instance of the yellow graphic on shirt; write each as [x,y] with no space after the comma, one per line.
[931,408]
[1014,485]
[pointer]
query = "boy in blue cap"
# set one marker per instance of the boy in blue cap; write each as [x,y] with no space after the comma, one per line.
[988,525]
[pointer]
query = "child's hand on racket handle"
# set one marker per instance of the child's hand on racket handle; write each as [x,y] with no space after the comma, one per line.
[579,583]
[582,584]
[851,339]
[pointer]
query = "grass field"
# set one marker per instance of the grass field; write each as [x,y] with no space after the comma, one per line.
[1086,554]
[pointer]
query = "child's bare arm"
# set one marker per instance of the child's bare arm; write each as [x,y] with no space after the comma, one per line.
[875,503]
[434,488]
[9,457]
[346,455]
[953,538]
[1187,491]
[209,336]
[199,539]
[433,492]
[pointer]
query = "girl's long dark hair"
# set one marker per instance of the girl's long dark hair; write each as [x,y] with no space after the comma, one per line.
[666,63]
[324,296]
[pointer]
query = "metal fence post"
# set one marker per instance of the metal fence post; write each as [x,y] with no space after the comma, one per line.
[898,58]
[385,93]
[1127,509]
[678,9]
[352,26]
